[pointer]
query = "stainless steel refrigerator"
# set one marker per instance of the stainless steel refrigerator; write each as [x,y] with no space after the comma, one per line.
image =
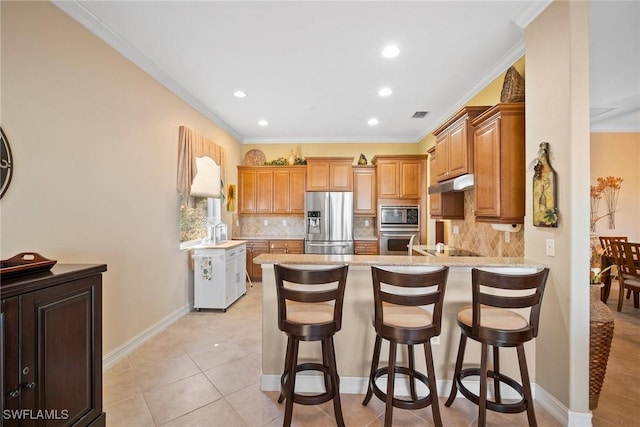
[329,222]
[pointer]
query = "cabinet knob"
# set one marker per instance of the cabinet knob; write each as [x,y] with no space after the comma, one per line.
[14,393]
[29,385]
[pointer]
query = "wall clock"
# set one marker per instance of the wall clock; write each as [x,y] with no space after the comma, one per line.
[6,164]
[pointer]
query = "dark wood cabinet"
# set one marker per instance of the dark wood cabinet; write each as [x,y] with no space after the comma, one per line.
[52,347]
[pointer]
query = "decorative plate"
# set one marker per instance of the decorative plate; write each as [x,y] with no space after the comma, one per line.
[254,158]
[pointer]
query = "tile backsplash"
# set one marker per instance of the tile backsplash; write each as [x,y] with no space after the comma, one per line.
[481,238]
[293,226]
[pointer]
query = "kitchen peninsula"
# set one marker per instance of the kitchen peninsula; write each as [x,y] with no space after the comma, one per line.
[354,342]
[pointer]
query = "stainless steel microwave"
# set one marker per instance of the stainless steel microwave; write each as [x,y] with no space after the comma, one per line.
[399,216]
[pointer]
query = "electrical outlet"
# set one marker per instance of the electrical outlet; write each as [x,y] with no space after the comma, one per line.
[550,248]
[507,236]
[284,222]
[435,340]
[455,229]
[366,223]
[265,222]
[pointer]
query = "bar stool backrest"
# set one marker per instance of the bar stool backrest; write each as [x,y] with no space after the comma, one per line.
[535,283]
[430,285]
[329,286]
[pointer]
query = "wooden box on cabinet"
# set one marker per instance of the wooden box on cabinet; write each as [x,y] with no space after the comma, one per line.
[364,190]
[443,205]
[255,248]
[329,174]
[454,144]
[52,345]
[399,176]
[499,186]
[365,247]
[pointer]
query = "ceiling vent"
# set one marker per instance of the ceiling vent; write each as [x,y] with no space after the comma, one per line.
[419,114]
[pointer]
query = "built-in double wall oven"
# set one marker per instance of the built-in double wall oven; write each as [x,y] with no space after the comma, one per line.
[397,225]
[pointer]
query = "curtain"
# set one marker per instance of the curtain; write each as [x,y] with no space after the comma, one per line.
[190,146]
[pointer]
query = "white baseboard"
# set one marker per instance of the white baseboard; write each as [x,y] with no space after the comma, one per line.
[122,351]
[560,412]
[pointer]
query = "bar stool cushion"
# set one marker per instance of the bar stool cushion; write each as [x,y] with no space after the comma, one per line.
[405,316]
[493,318]
[309,313]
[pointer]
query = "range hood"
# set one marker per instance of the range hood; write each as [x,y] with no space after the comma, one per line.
[461,183]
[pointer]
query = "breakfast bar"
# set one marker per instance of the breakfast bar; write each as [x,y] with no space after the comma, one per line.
[354,342]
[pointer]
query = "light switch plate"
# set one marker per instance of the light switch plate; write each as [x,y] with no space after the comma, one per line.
[507,236]
[550,248]
[455,229]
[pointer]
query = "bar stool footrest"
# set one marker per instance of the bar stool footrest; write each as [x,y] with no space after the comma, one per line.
[310,399]
[402,403]
[505,408]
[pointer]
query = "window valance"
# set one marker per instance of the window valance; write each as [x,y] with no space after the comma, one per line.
[190,146]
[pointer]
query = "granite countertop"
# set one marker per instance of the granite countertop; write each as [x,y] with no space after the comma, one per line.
[369,260]
[224,245]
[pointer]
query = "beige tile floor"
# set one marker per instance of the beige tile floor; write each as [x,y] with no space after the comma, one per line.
[204,370]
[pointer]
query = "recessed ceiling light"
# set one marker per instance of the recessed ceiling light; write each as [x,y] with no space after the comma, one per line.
[239,94]
[263,123]
[390,51]
[385,91]
[372,121]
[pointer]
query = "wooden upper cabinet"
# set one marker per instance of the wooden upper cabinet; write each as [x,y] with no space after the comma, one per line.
[443,205]
[329,174]
[499,148]
[399,177]
[454,144]
[364,190]
[271,190]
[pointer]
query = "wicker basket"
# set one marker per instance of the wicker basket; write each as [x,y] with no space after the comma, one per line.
[513,86]
[601,324]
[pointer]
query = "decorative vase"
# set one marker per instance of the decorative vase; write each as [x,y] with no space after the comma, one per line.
[601,325]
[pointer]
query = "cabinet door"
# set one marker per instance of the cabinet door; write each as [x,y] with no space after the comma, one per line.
[458,160]
[410,175]
[255,248]
[10,362]
[247,191]
[297,184]
[364,191]
[340,175]
[241,272]
[281,191]
[388,179]
[435,200]
[442,156]
[62,350]
[487,169]
[264,191]
[318,176]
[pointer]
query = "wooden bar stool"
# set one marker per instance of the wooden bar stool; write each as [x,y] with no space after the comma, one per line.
[310,310]
[402,299]
[490,321]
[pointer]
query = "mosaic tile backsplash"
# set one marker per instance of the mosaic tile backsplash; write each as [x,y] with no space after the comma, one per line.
[270,226]
[481,238]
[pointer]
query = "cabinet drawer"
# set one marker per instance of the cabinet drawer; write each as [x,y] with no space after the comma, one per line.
[365,247]
[262,245]
[286,246]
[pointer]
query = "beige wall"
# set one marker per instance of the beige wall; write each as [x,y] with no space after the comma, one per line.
[557,94]
[618,154]
[95,145]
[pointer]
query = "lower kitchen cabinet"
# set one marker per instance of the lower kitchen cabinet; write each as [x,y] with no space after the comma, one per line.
[219,276]
[255,248]
[286,246]
[365,247]
[51,336]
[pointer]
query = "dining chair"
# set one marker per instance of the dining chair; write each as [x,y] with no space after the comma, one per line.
[605,261]
[627,258]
